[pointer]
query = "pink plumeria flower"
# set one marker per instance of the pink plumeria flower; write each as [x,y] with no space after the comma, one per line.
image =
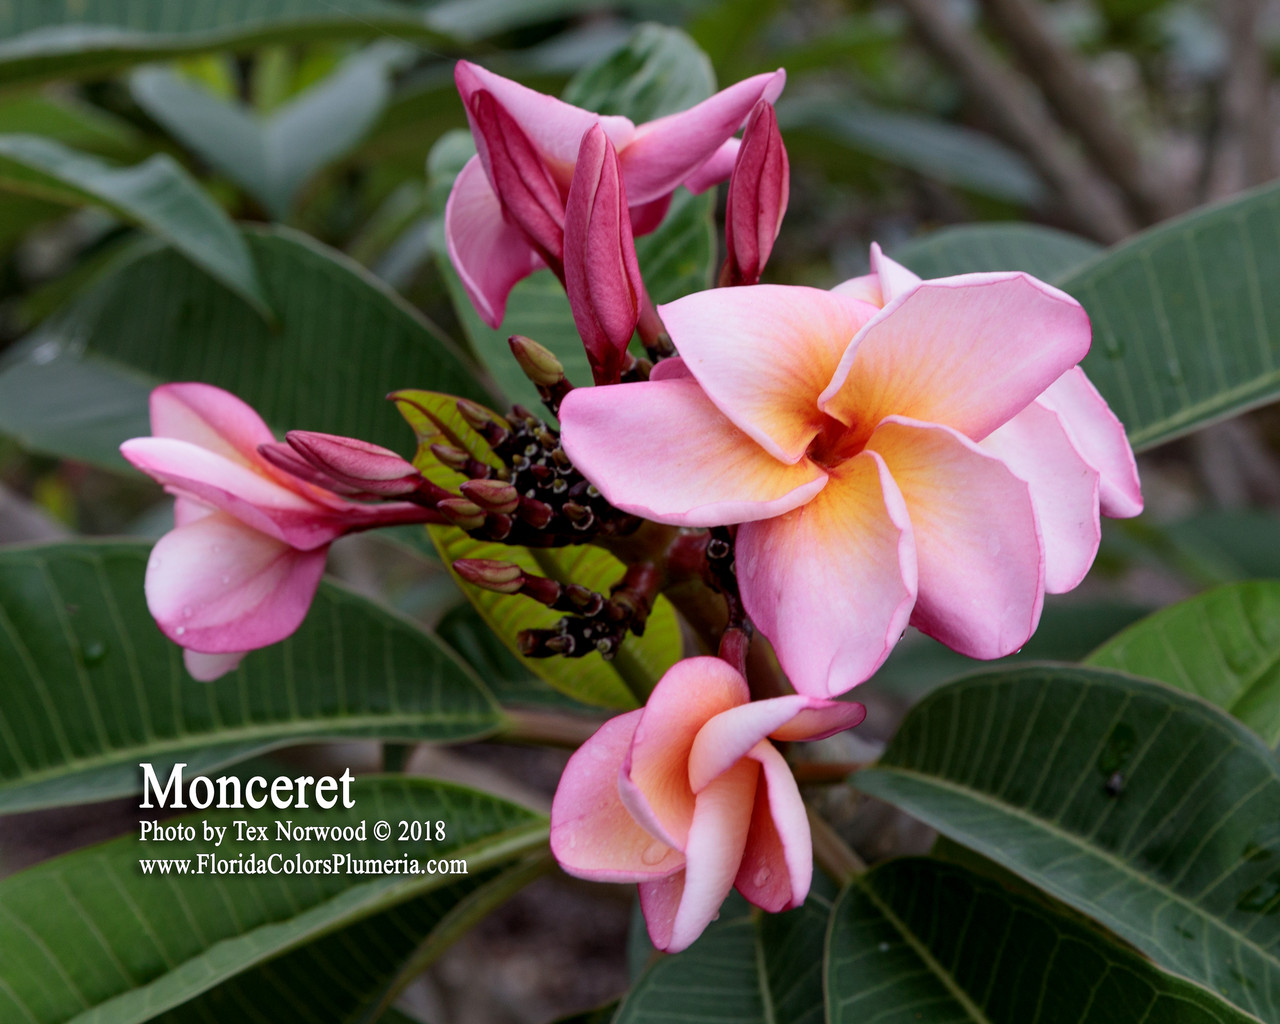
[688,797]
[240,568]
[898,451]
[505,215]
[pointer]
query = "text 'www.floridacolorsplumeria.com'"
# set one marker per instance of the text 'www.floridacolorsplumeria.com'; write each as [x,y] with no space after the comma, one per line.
[297,864]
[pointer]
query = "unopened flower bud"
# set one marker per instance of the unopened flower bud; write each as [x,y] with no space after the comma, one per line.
[492,495]
[601,273]
[537,514]
[500,577]
[528,195]
[537,361]
[366,467]
[448,455]
[758,192]
[465,515]
[283,457]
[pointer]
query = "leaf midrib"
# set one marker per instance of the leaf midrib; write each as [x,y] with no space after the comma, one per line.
[286,731]
[1044,824]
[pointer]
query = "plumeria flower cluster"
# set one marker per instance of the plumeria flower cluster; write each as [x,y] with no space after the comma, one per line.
[823,467]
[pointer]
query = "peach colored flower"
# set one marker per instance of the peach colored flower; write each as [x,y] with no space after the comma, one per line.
[897,451]
[688,797]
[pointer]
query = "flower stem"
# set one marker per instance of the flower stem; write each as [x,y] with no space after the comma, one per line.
[831,853]
[547,727]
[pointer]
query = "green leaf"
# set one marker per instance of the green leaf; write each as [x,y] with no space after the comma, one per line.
[348,976]
[659,71]
[1146,809]
[948,153]
[1223,645]
[273,157]
[1043,252]
[510,682]
[92,688]
[638,663]
[157,195]
[343,341]
[91,936]
[748,967]
[55,38]
[922,941]
[1186,318]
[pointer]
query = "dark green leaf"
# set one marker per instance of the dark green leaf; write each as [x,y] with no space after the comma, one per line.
[343,341]
[916,940]
[1042,252]
[660,71]
[92,688]
[1186,318]
[273,157]
[91,934]
[1223,645]
[1150,811]
[54,38]
[157,195]
[748,967]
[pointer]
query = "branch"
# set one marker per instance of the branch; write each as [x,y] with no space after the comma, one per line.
[1081,105]
[1022,123]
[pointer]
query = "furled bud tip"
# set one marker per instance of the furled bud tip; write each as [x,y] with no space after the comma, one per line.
[758,192]
[461,513]
[359,465]
[529,197]
[601,273]
[492,495]
[537,361]
[500,577]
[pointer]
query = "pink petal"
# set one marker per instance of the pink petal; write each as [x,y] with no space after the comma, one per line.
[647,216]
[894,278]
[671,368]
[969,352]
[832,583]
[554,126]
[865,289]
[209,418]
[711,472]
[764,354]
[666,151]
[1036,445]
[732,734]
[219,587]
[654,779]
[489,254]
[205,668]
[188,510]
[717,838]
[980,552]
[717,168]
[251,497]
[592,833]
[1100,438]
[660,901]
[777,863]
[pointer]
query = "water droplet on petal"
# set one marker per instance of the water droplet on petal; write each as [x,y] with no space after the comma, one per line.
[186,611]
[225,579]
[654,852]
[762,876]
[180,630]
